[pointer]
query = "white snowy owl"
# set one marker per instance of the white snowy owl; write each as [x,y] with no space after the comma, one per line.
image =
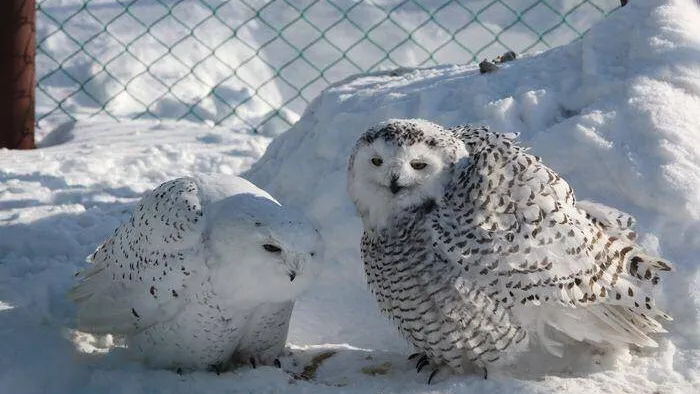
[203,275]
[474,248]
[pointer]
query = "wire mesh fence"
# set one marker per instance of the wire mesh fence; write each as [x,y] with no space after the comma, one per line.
[257,64]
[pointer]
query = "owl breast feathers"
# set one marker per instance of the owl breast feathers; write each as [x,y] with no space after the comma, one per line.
[181,279]
[473,248]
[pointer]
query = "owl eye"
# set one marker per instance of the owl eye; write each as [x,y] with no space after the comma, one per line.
[377,161]
[272,248]
[418,165]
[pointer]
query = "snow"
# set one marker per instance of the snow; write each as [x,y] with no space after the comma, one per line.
[616,113]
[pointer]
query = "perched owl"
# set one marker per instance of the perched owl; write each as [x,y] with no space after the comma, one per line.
[475,249]
[204,274]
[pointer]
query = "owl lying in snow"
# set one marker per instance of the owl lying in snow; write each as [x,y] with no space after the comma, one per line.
[473,247]
[204,274]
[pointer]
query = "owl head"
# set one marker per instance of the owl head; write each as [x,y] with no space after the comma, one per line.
[398,165]
[259,250]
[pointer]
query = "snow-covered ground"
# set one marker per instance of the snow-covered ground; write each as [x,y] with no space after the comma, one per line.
[200,59]
[617,114]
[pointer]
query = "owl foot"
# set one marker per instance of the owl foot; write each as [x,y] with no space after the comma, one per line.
[486,373]
[253,363]
[218,368]
[422,362]
[277,363]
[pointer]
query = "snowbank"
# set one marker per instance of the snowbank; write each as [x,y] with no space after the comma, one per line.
[617,113]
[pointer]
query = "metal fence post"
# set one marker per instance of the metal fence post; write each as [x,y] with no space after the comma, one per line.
[17,78]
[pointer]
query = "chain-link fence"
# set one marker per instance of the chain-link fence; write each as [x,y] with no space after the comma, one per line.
[257,64]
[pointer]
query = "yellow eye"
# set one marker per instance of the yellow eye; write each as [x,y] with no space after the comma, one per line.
[377,161]
[418,165]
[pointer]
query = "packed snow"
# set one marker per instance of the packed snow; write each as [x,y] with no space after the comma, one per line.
[616,113]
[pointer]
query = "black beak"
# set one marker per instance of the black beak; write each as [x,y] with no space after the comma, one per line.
[394,184]
[292,275]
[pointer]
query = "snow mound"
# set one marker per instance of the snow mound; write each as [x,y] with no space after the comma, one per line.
[616,113]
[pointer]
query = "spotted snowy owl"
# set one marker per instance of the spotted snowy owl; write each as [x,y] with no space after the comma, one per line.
[473,247]
[204,274]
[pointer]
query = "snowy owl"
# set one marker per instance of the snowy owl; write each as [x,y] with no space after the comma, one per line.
[476,250]
[203,275]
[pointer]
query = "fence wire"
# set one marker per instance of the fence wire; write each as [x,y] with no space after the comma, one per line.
[257,64]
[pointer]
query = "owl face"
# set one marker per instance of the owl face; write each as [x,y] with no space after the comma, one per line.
[398,165]
[271,255]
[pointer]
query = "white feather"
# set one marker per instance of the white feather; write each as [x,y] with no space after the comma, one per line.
[181,280]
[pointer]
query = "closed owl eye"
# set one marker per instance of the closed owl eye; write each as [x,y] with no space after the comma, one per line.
[418,165]
[377,161]
[272,248]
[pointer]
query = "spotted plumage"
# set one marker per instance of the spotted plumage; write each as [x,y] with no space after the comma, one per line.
[474,248]
[204,273]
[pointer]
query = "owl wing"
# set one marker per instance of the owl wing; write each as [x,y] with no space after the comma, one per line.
[609,218]
[140,275]
[513,226]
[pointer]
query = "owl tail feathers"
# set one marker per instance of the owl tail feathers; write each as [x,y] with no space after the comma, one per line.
[553,347]
[96,321]
[598,324]
[647,268]
[98,313]
[611,219]
[625,326]
[633,291]
[92,281]
[628,315]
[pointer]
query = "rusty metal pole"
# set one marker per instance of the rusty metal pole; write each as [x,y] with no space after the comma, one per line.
[17,78]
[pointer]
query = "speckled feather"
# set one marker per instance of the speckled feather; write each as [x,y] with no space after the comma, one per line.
[471,276]
[165,281]
[150,258]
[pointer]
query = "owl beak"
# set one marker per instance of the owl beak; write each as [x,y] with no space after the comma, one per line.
[292,275]
[394,184]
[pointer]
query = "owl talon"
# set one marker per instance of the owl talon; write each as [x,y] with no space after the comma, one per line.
[422,362]
[414,355]
[432,375]
[277,363]
[217,368]
[253,363]
[486,373]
